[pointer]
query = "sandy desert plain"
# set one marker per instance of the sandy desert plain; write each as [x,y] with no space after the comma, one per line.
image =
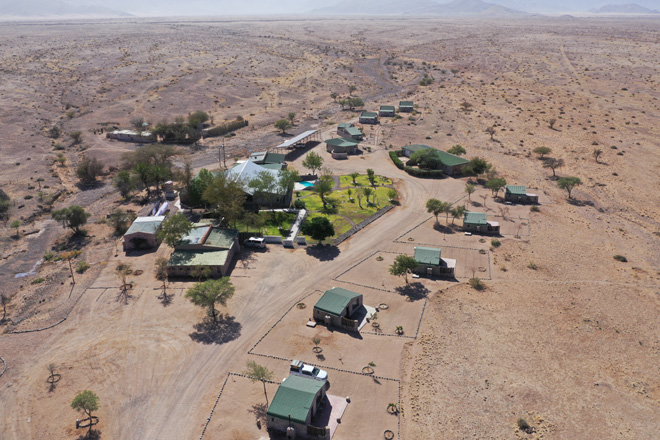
[570,343]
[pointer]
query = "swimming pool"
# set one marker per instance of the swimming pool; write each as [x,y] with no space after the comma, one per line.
[307,184]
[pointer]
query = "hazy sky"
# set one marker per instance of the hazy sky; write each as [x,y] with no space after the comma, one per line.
[225,7]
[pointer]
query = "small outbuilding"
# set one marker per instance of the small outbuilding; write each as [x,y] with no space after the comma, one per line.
[386,111]
[368,118]
[141,137]
[452,165]
[430,263]
[477,222]
[406,106]
[294,406]
[349,131]
[340,148]
[519,194]
[408,150]
[142,233]
[205,246]
[273,161]
[336,306]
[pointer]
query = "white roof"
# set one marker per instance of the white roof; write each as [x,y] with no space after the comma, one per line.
[296,139]
[449,262]
[247,171]
[132,132]
[154,218]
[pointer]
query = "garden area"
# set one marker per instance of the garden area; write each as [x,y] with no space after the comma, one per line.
[352,200]
[270,223]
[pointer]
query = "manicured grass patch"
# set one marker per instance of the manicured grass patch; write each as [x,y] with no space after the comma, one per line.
[278,223]
[346,181]
[340,224]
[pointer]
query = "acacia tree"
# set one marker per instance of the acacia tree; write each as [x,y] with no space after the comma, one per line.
[436,207]
[283,125]
[457,150]
[568,183]
[324,188]
[86,402]
[491,132]
[72,217]
[313,162]
[402,266]
[160,271]
[173,228]
[541,151]
[89,169]
[211,292]
[259,373]
[553,164]
[457,212]
[470,189]
[124,183]
[597,153]
[227,196]
[552,122]
[495,185]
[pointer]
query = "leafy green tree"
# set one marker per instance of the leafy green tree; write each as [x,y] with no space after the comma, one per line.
[457,212]
[121,221]
[343,103]
[354,176]
[160,272]
[138,124]
[402,266]
[470,189]
[391,194]
[196,118]
[259,373]
[72,217]
[457,150]
[426,159]
[158,174]
[54,132]
[124,183]
[355,102]
[142,173]
[287,179]
[324,188]
[283,125]
[496,184]
[436,207]
[477,166]
[367,193]
[291,117]
[351,89]
[318,228]
[173,229]
[197,187]
[359,193]
[313,162]
[89,169]
[265,187]
[15,224]
[541,151]
[86,402]
[371,177]
[227,196]
[201,272]
[61,159]
[5,203]
[211,292]
[76,137]
[568,183]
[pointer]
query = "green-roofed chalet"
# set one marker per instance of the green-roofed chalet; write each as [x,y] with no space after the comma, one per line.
[336,301]
[368,118]
[341,146]
[475,218]
[296,400]
[348,130]
[478,222]
[428,255]
[450,160]
[386,110]
[430,262]
[518,190]
[519,194]
[142,233]
[406,106]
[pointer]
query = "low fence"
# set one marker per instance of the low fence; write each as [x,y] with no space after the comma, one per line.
[295,228]
[273,239]
[362,224]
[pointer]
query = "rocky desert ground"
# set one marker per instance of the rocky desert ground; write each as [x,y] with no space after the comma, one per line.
[563,335]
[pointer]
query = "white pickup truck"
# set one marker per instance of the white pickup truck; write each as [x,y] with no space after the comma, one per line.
[300,369]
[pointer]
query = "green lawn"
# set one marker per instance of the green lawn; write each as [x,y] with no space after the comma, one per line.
[346,181]
[341,224]
[277,223]
[350,208]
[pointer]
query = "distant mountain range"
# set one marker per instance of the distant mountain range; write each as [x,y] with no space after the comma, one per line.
[456,8]
[630,8]
[54,9]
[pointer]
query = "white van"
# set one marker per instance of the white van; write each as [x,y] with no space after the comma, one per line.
[256,242]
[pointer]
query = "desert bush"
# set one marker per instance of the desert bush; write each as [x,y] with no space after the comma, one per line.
[535,209]
[532,265]
[523,425]
[621,258]
[476,283]
[221,130]
[37,280]
[89,169]
[299,204]
[495,243]
[82,267]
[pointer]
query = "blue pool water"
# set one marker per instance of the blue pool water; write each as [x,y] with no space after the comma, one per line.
[307,184]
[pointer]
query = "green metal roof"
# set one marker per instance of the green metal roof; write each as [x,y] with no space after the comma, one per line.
[370,115]
[414,148]
[199,258]
[353,131]
[223,238]
[406,104]
[474,218]
[146,225]
[427,255]
[518,190]
[274,158]
[345,125]
[450,160]
[341,142]
[294,398]
[387,108]
[335,300]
